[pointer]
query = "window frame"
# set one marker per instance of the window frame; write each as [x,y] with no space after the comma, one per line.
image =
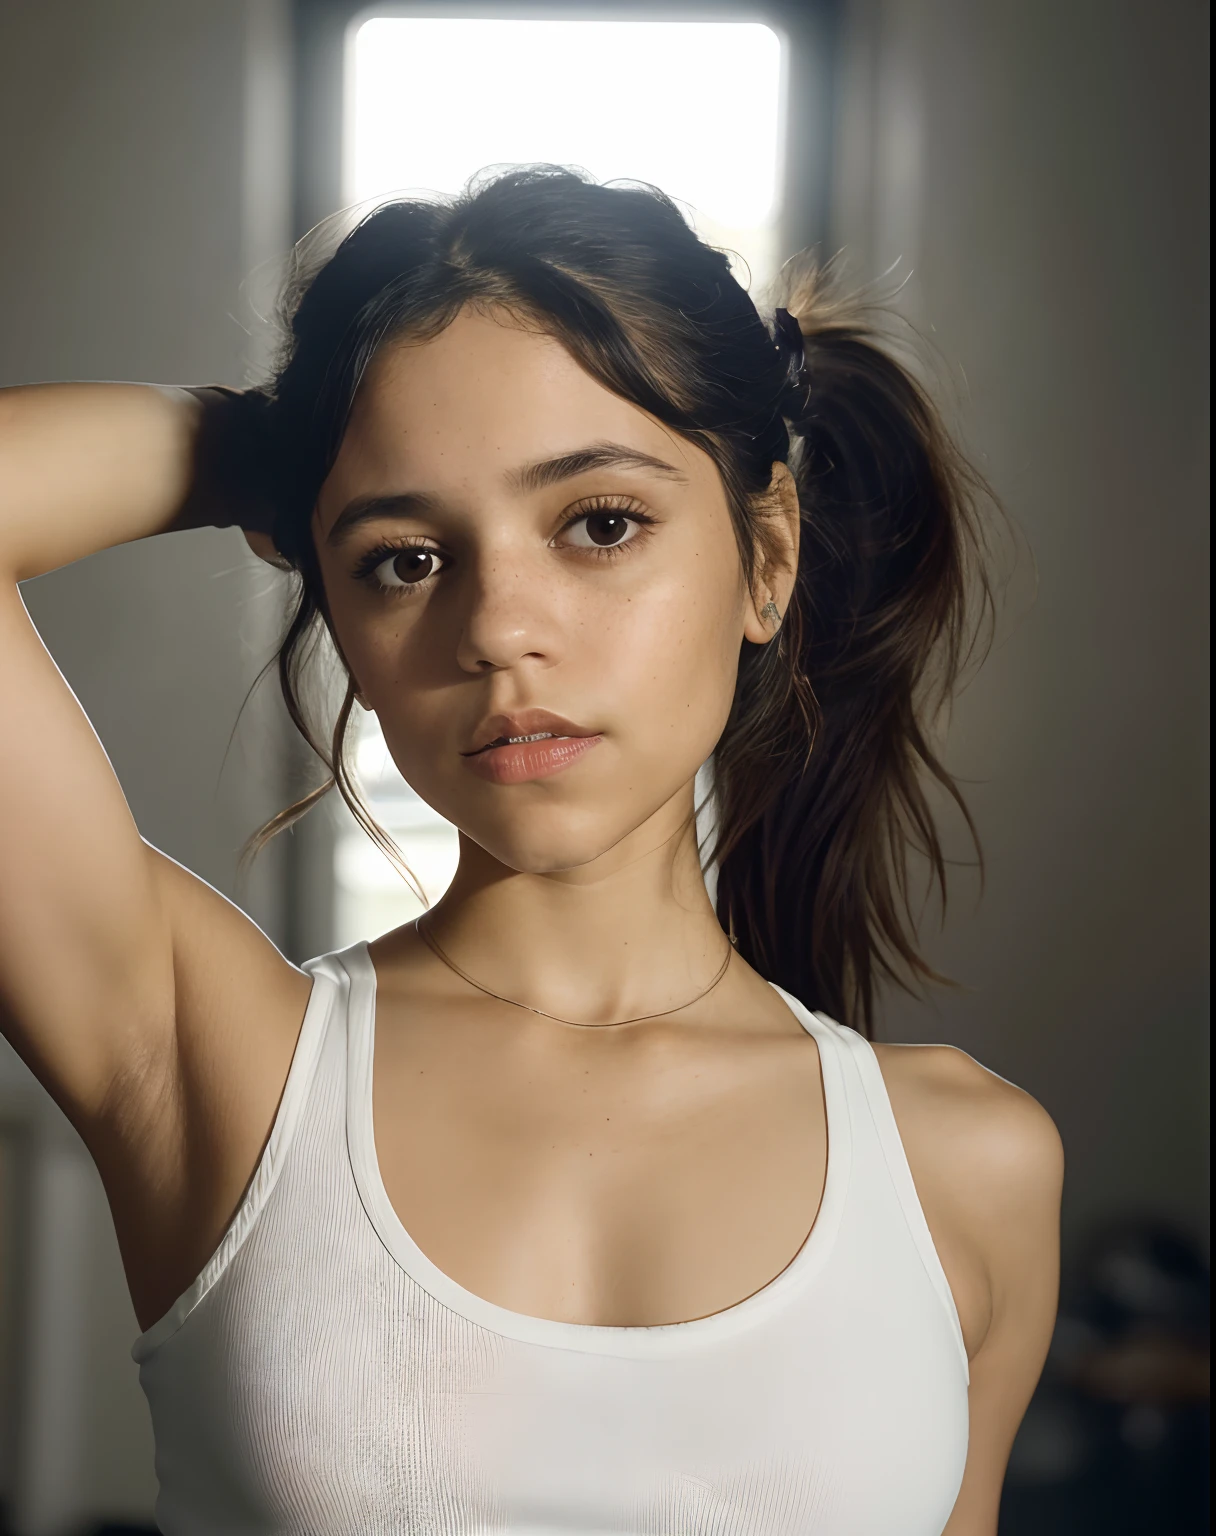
[809,29]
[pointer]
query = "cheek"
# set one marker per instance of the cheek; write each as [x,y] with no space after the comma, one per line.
[377,636]
[667,661]
[364,645]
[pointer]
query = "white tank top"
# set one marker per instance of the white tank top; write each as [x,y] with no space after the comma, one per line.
[323,1376]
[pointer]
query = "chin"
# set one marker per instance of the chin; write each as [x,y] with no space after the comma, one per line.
[543,842]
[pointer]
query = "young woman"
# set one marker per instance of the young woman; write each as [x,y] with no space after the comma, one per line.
[558,1210]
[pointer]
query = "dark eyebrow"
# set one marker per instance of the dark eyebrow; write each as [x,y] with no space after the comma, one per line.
[364,508]
[534,477]
[531,477]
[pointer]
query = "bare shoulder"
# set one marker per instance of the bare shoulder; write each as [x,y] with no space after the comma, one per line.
[988,1166]
[989,1138]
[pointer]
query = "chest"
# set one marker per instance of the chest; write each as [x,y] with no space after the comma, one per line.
[638,1183]
[340,1395]
[332,1378]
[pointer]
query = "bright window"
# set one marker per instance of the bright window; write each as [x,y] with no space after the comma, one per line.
[694,107]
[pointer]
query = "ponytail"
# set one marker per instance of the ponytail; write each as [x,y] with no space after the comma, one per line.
[821,774]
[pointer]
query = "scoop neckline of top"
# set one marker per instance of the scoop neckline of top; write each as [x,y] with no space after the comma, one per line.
[596,1338]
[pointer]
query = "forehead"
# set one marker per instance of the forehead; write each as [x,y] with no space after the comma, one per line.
[464,409]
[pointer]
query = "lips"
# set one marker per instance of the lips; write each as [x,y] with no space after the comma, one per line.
[527,726]
[533,744]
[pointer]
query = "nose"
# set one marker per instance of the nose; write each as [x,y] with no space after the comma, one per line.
[509,617]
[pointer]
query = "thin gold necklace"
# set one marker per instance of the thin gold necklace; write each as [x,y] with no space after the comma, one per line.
[432,944]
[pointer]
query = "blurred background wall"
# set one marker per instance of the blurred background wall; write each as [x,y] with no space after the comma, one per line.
[1039,174]
[1042,170]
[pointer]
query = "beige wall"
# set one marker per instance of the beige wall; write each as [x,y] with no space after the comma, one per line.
[1041,170]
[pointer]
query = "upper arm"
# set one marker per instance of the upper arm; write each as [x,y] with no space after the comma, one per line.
[155,1013]
[123,977]
[86,964]
[988,1163]
[1015,1204]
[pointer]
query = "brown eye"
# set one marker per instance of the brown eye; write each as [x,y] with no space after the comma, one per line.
[607,527]
[602,530]
[409,567]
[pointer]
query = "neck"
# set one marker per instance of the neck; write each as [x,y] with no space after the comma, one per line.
[631,933]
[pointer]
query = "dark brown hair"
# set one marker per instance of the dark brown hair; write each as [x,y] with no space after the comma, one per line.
[820,775]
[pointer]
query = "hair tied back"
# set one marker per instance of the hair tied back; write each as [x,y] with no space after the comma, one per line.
[792,345]
[816,884]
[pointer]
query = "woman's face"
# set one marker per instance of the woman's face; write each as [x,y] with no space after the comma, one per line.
[510,550]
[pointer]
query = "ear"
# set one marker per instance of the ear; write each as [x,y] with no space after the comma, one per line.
[777,569]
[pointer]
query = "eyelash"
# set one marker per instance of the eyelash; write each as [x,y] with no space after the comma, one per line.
[367,564]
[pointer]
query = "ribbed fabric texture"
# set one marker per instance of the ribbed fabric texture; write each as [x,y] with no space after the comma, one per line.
[322,1376]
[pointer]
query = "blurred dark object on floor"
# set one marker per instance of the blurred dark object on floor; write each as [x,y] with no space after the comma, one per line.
[1115,1442]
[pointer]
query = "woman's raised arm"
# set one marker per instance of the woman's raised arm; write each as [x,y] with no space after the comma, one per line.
[86,977]
[86,466]
[103,940]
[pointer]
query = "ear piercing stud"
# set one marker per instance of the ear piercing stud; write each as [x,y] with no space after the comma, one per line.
[770,613]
